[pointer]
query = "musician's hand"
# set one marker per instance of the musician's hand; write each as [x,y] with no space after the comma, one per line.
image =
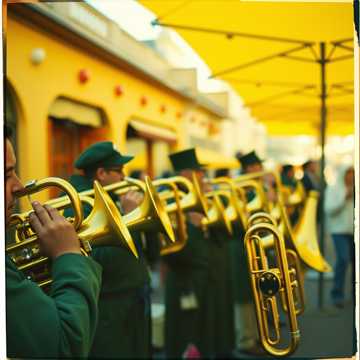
[131,200]
[195,218]
[56,235]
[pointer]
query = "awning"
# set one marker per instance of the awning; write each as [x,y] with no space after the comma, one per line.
[152,132]
[215,160]
[67,109]
[270,51]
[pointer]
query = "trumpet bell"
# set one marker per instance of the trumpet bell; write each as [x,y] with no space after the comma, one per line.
[163,221]
[104,225]
[306,239]
[151,214]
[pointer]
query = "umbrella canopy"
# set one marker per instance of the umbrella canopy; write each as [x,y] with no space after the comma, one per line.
[269,52]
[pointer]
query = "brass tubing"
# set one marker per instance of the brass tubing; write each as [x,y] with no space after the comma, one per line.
[251,240]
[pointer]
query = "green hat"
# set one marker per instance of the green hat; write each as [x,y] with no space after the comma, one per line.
[101,154]
[185,159]
[249,159]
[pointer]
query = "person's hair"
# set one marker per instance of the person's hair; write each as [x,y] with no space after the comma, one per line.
[136,174]
[286,168]
[306,165]
[90,172]
[8,132]
[166,174]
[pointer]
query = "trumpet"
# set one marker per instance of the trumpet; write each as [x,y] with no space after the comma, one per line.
[150,215]
[218,216]
[103,226]
[267,283]
[186,196]
[237,210]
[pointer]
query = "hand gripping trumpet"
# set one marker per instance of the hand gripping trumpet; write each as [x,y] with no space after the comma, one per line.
[268,282]
[104,226]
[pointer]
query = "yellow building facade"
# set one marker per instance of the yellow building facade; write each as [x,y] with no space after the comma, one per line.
[75,93]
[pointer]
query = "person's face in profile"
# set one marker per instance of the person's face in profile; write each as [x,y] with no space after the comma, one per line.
[12,182]
[253,168]
[108,176]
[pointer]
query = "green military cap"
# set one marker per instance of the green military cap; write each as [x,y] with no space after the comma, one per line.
[186,159]
[249,159]
[101,154]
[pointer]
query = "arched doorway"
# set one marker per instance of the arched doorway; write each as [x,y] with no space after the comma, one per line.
[72,126]
[150,144]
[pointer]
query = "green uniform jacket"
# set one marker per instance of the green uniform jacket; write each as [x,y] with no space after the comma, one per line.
[240,272]
[219,324]
[124,305]
[61,325]
[187,274]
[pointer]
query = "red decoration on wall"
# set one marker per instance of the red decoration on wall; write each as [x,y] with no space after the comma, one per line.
[118,90]
[163,109]
[84,75]
[143,100]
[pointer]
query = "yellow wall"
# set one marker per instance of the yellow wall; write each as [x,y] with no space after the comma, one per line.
[37,86]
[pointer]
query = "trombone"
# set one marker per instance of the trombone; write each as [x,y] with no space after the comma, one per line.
[98,228]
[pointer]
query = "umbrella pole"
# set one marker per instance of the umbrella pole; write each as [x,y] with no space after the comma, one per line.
[323,95]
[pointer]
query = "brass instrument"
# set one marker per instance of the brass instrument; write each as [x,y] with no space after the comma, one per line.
[98,228]
[151,213]
[189,198]
[292,258]
[259,202]
[303,239]
[266,283]
[295,197]
[238,210]
[217,216]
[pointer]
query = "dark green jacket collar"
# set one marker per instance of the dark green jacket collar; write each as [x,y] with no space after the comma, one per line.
[81,183]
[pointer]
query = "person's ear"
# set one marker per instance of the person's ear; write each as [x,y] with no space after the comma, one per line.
[100,174]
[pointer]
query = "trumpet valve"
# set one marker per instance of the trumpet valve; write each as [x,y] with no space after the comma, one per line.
[269,283]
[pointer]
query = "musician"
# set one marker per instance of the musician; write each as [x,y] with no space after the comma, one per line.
[247,339]
[186,277]
[124,306]
[61,324]
[198,305]
[311,179]
[288,176]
